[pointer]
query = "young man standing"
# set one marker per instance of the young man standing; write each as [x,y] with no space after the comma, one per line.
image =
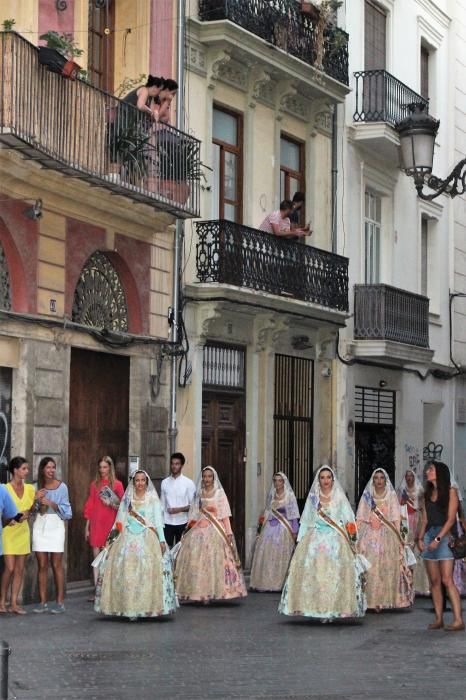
[177,495]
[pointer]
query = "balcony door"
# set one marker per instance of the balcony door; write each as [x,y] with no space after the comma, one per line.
[227,164]
[372,236]
[101,29]
[375,49]
[292,171]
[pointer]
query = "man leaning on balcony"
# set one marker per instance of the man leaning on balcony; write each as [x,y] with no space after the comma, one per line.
[278,222]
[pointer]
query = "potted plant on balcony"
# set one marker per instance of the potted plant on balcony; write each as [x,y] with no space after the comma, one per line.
[131,153]
[58,54]
[178,165]
[324,18]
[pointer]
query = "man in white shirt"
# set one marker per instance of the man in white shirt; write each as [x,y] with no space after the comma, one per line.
[177,495]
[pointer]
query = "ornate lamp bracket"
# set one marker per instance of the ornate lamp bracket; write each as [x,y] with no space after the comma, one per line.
[453,185]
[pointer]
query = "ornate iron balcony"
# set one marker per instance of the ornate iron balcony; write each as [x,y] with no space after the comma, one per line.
[382,312]
[230,253]
[88,134]
[282,23]
[380,97]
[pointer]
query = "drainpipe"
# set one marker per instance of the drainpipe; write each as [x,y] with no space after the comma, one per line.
[179,231]
[334,176]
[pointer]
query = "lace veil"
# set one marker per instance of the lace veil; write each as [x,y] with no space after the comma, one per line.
[221,501]
[415,493]
[339,510]
[289,501]
[390,499]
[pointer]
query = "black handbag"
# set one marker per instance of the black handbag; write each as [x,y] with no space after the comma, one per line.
[458,546]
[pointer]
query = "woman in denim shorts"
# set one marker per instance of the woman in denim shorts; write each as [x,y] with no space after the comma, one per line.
[439,515]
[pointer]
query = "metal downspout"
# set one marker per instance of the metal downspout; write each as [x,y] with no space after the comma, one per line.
[179,231]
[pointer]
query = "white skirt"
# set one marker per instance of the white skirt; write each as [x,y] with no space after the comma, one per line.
[48,533]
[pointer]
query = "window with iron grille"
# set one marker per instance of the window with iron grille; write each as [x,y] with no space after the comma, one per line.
[293,421]
[374,406]
[223,366]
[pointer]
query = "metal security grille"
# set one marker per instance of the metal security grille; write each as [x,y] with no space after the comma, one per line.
[293,421]
[223,366]
[6,374]
[374,406]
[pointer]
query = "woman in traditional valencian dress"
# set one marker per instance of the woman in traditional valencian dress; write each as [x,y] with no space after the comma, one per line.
[277,535]
[411,495]
[135,576]
[325,578]
[389,580]
[207,563]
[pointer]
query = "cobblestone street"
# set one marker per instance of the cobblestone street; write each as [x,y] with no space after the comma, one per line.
[227,651]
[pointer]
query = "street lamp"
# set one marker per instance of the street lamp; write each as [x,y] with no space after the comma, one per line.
[417,140]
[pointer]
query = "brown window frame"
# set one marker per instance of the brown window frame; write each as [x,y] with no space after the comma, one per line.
[103,78]
[424,77]
[238,152]
[295,174]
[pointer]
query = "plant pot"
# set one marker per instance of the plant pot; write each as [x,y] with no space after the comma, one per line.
[55,62]
[176,191]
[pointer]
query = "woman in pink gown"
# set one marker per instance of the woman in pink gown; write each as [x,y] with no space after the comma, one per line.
[207,564]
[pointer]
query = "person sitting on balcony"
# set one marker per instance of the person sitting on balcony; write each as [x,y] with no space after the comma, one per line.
[278,222]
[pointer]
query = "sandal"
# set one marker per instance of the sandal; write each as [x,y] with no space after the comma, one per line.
[18,611]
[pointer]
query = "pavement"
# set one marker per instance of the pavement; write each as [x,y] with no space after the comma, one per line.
[232,650]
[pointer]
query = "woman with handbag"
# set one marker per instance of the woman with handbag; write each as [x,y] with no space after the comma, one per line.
[325,580]
[277,531]
[135,573]
[381,541]
[438,517]
[100,509]
[207,565]
[459,548]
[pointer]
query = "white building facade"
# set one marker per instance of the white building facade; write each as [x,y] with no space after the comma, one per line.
[395,402]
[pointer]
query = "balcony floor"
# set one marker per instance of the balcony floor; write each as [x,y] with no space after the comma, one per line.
[263,301]
[134,193]
[391,352]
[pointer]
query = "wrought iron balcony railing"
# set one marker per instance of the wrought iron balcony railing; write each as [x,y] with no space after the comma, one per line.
[380,97]
[86,133]
[230,253]
[282,23]
[382,312]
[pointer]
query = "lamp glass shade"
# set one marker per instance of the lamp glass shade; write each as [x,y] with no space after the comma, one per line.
[417,151]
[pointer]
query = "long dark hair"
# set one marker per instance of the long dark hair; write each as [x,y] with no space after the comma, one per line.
[443,485]
[40,473]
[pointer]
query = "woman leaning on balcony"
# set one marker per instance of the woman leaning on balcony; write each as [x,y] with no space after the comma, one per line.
[153,98]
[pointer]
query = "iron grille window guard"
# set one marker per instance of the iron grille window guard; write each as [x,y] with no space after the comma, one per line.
[233,254]
[283,24]
[88,134]
[380,97]
[382,312]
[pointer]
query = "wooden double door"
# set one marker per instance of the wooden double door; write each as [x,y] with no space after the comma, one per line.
[98,426]
[223,442]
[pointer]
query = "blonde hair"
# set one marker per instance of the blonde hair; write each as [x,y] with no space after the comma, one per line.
[111,475]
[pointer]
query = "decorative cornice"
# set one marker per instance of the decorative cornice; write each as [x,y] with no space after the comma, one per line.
[285,91]
[259,81]
[217,60]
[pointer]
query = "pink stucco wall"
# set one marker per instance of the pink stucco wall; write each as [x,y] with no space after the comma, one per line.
[52,19]
[161,38]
